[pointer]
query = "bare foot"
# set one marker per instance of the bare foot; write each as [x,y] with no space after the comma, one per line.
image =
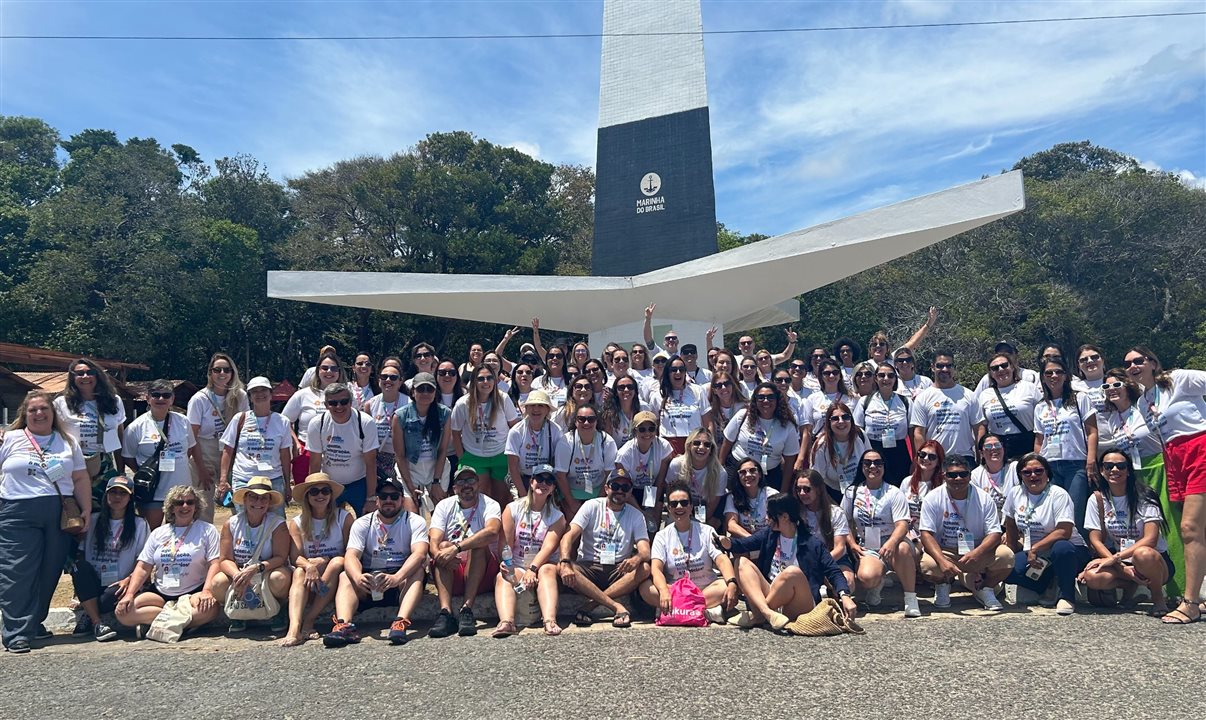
[293,641]
[309,633]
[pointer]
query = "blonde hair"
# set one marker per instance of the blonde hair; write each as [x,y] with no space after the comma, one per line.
[235,392]
[711,484]
[495,396]
[21,422]
[174,495]
[307,518]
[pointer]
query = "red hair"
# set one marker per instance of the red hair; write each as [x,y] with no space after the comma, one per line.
[939,474]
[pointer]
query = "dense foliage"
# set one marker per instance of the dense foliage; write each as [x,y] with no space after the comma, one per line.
[136,251]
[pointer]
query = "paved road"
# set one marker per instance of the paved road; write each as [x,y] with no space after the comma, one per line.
[1021,664]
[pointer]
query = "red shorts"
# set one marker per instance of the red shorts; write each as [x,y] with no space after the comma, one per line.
[485,586]
[1185,465]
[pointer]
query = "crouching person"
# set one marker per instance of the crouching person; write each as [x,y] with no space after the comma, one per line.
[384,565]
[255,542]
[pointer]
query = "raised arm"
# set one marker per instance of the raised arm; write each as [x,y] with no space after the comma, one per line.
[536,338]
[931,321]
[649,327]
[788,351]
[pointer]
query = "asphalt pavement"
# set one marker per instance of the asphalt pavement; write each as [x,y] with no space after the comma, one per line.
[1023,663]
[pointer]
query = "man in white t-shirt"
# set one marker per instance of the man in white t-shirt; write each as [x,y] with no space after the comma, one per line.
[343,444]
[464,528]
[961,536]
[945,412]
[610,542]
[385,564]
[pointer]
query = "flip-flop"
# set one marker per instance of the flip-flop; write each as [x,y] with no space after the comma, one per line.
[505,628]
[622,620]
[1176,616]
[583,619]
[552,628]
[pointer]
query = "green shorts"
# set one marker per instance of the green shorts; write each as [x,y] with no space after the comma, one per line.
[495,465]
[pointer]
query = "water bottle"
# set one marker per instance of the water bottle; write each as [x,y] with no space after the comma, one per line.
[508,567]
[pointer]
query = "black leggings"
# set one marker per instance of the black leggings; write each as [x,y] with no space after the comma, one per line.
[87,584]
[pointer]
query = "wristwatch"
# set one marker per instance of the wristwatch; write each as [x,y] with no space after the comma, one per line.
[533,568]
[563,561]
[843,593]
[731,581]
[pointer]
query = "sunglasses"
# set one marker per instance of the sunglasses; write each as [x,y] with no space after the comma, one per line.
[638,352]
[645,428]
[722,385]
[819,356]
[959,474]
[553,356]
[1090,358]
[1053,373]
[764,398]
[873,463]
[363,363]
[840,418]
[702,444]
[804,489]
[423,355]
[743,472]
[1137,362]
[1113,466]
[879,344]
[798,368]
[446,373]
[659,361]
[221,370]
[389,496]
[904,360]
[593,371]
[544,480]
[161,395]
[425,389]
[484,378]
[84,373]
[1033,472]
[339,403]
[999,367]
[583,386]
[328,368]
[829,373]
[678,503]
[587,419]
[863,374]
[186,501]
[619,358]
[782,380]
[390,378]
[678,368]
[1116,385]
[885,377]
[620,487]
[923,455]
[322,490]
[671,338]
[993,447]
[692,353]
[944,366]
[749,368]
[626,388]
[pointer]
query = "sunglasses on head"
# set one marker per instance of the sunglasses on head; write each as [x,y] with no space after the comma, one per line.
[84,373]
[339,403]
[321,490]
[161,395]
[678,503]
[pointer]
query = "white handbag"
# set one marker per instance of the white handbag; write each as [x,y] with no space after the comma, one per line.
[257,601]
[168,626]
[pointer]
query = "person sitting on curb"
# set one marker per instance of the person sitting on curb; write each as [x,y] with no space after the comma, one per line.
[961,537]
[785,581]
[610,542]
[110,551]
[320,540]
[463,527]
[242,536]
[384,565]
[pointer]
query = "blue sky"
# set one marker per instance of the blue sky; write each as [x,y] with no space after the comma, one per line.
[806,127]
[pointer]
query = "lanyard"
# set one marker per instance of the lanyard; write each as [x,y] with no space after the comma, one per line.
[589,458]
[382,532]
[780,559]
[466,521]
[955,510]
[610,523]
[532,525]
[1123,517]
[686,547]
[1035,506]
[649,458]
[483,411]
[873,502]
[177,541]
[38,448]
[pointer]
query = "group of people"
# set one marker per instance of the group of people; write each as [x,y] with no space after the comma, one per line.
[769,480]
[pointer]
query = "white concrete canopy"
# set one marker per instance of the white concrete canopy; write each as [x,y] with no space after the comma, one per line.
[754,277]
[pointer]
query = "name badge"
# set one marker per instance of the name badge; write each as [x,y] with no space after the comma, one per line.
[1026,543]
[170,579]
[588,482]
[609,553]
[871,539]
[167,461]
[108,574]
[55,470]
[263,465]
[889,438]
[701,513]
[650,497]
[1136,461]
[966,542]
[1128,543]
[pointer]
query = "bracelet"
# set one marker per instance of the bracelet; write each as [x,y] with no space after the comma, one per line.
[563,561]
[731,581]
[457,546]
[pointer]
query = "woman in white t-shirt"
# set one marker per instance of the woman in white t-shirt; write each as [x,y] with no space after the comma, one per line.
[1006,406]
[93,414]
[701,469]
[747,374]
[39,463]
[179,558]
[255,542]
[646,459]
[766,432]
[256,442]
[994,476]
[533,441]
[308,402]
[878,514]
[480,422]
[884,417]
[319,538]
[839,446]
[584,459]
[532,527]
[725,398]
[1090,373]
[1065,432]
[745,506]
[927,474]
[382,408]
[1173,406]
[1040,528]
[826,520]
[209,411]
[1126,535]
[142,440]
[862,381]
[554,379]
[360,384]
[110,551]
[687,548]
[678,404]
[833,390]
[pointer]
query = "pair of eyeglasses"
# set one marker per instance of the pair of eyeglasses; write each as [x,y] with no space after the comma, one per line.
[803,489]
[678,503]
[782,380]
[484,378]
[862,374]
[544,479]
[321,490]
[1033,472]
[446,373]
[84,373]
[593,370]
[221,370]
[702,444]
[999,367]
[885,377]
[830,373]
[423,355]
[389,378]
[764,398]
[747,472]
[389,496]
[722,385]
[1055,372]
[553,356]
[626,388]
[186,501]
[923,455]
[328,368]
[678,369]
[1113,466]
[646,428]
[339,403]
[363,363]
[840,418]
[620,487]
[798,368]
[586,419]
[1136,362]
[945,366]
[873,463]
[161,395]
[1090,358]
[1116,385]
[903,360]
[583,386]
[620,359]
[958,474]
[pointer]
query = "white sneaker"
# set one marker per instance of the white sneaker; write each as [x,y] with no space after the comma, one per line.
[911,608]
[987,598]
[1063,607]
[715,614]
[942,595]
[744,619]
[875,595]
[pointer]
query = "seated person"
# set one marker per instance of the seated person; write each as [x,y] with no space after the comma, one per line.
[181,556]
[463,527]
[961,538]
[687,547]
[384,565]
[253,542]
[319,537]
[532,528]
[605,551]
[111,547]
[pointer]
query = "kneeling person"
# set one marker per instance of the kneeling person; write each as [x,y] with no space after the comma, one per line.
[610,540]
[463,527]
[961,536]
[384,565]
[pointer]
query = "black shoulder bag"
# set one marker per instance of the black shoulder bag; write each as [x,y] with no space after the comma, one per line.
[146,477]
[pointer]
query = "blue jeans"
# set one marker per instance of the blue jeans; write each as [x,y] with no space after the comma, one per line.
[355,494]
[32,552]
[1067,560]
[1072,476]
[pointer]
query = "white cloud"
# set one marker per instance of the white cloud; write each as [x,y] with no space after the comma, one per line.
[1192,180]
[527,148]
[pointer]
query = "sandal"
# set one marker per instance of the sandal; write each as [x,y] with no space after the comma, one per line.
[552,628]
[583,619]
[622,620]
[293,641]
[1180,617]
[505,628]
[1158,610]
